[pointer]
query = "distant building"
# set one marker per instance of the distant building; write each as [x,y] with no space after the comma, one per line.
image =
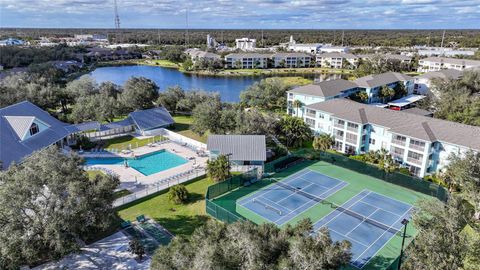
[423,82]
[449,52]
[67,66]
[211,42]
[196,54]
[12,42]
[337,60]
[245,44]
[330,49]
[291,60]
[92,37]
[401,58]
[312,48]
[247,60]
[439,63]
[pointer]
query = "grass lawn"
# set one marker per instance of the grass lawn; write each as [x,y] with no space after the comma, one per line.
[158,62]
[295,81]
[124,142]
[93,173]
[182,126]
[179,219]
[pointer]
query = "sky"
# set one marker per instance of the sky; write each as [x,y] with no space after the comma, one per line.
[244,14]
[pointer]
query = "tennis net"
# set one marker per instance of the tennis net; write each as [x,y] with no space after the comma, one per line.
[267,206]
[339,208]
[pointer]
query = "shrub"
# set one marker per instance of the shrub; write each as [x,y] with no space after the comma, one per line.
[178,194]
[404,170]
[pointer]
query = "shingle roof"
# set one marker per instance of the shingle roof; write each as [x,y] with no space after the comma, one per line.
[152,118]
[291,54]
[442,74]
[248,55]
[337,55]
[13,121]
[455,61]
[242,147]
[371,81]
[409,124]
[326,88]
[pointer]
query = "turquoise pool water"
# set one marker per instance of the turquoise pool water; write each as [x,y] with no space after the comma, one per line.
[147,164]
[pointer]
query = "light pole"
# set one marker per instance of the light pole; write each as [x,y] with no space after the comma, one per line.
[404,222]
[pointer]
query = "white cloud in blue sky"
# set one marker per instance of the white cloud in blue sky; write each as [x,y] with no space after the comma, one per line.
[318,14]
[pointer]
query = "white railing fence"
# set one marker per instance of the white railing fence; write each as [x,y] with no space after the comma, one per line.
[159,186]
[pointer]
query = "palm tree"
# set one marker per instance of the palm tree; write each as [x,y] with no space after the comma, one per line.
[294,130]
[297,104]
[323,142]
[386,93]
[218,169]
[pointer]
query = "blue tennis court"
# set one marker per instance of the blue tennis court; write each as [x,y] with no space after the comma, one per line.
[284,200]
[368,220]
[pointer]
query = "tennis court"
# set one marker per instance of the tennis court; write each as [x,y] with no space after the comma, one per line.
[286,199]
[368,220]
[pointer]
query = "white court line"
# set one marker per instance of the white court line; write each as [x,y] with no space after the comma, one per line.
[274,183]
[343,207]
[244,200]
[310,200]
[361,222]
[293,193]
[393,199]
[381,209]
[315,183]
[377,240]
[345,236]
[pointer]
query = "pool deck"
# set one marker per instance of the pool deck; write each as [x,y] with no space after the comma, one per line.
[132,179]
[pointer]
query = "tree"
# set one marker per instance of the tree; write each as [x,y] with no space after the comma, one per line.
[386,162]
[244,245]
[268,94]
[323,142]
[439,243]
[400,90]
[82,86]
[206,117]
[187,64]
[178,194]
[218,169]
[136,248]
[297,104]
[294,131]
[170,98]
[256,122]
[192,98]
[360,96]
[463,173]
[139,93]
[47,204]
[386,93]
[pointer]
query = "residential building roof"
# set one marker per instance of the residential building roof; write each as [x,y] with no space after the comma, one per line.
[454,61]
[386,56]
[418,111]
[151,118]
[337,55]
[15,121]
[291,54]
[441,74]
[326,88]
[241,147]
[201,54]
[371,81]
[404,123]
[248,55]
[407,100]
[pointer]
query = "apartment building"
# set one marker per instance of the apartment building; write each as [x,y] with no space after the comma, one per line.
[423,82]
[372,84]
[196,54]
[330,49]
[247,60]
[291,60]
[318,92]
[245,44]
[439,63]
[420,143]
[337,60]
[305,47]
[404,59]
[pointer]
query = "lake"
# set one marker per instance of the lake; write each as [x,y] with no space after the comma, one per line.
[229,88]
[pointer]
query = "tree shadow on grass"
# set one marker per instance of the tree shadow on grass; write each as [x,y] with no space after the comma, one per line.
[182,224]
[180,127]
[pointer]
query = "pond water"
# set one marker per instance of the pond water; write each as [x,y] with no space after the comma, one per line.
[229,88]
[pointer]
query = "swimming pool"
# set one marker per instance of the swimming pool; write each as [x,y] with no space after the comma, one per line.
[147,164]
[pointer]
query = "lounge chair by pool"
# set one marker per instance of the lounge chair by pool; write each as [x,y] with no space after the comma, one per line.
[141,218]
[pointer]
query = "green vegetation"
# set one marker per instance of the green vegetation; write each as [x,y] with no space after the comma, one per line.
[125,142]
[157,62]
[218,169]
[179,219]
[323,142]
[121,193]
[182,126]
[178,194]
[243,245]
[94,173]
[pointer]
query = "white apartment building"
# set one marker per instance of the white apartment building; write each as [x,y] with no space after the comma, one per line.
[423,82]
[420,143]
[439,63]
[318,92]
[330,49]
[402,58]
[305,47]
[291,60]
[245,44]
[337,60]
[372,84]
[196,54]
[247,60]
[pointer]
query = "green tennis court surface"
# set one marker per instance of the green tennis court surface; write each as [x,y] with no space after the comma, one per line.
[270,200]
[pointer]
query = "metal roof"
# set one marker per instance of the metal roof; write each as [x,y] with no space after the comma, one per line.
[404,101]
[13,121]
[326,88]
[404,123]
[242,147]
[151,118]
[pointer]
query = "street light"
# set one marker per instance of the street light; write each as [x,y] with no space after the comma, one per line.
[404,222]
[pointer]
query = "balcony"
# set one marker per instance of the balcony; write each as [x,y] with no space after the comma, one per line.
[414,161]
[397,156]
[417,147]
[350,140]
[311,115]
[398,142]
[354,129]
[337,125]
